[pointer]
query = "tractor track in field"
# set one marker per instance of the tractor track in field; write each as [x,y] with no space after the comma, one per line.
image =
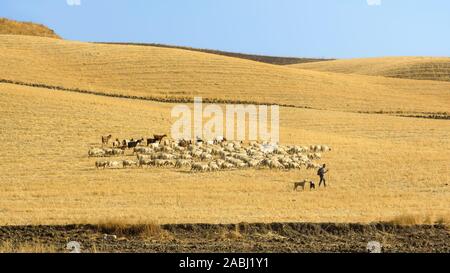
[174,99]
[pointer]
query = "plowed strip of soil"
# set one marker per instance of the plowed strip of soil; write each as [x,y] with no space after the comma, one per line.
[275,237]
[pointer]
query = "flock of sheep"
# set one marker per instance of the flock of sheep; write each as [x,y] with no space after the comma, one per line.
[212,156]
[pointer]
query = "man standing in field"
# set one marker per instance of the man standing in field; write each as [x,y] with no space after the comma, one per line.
[321,173]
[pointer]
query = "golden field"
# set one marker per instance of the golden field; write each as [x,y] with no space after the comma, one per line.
[418,68]
[147,71]
[382,167]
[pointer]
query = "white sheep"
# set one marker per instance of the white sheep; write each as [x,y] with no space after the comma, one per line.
[115,164]
[143,150]
[145,162]
[180,163]
[96,152]
[129,163]
[205,156]
[213,166]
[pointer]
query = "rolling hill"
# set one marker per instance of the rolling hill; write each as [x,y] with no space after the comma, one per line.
[259,58]
[419,68]
[382,166]
[178,75]
[8,26]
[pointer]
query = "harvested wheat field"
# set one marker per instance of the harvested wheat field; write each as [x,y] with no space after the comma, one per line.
[58,97]
[418,68]
[167,73]
[382,167]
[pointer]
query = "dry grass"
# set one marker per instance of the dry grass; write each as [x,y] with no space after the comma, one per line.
[381,167]
[167,72]
[418,219]
[32,247]
[419,68]
[25,28]
[119,227]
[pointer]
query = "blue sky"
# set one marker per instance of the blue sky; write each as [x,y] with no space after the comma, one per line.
[303,28]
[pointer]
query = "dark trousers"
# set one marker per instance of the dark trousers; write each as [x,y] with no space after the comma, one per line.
[322,179]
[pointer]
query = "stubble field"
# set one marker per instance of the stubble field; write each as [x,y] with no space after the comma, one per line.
[381,167]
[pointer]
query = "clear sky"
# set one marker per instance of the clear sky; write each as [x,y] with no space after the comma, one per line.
[303,28]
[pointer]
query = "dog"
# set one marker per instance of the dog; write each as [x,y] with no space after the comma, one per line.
[303,184]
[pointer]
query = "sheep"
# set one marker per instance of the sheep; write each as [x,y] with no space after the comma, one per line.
[129,163]
[179,149]
[142,150]
[170,163]
[226,165]
[117,151]
[197,154]
[213,166]
[311,165]
[180,163]
[113,151]
[160,162]
[273,164]
[145,162]
[295,150]
[115,164]
[217,155]
[216,151]
[167,149]
[166,142]
[205,156]
[219,162]
[279,150]
[219,139]
[108,151]
[143,156]
[224,154]
[186,156]
[253,163]
[154,145]
[198,167]
[96,152]
[101,164]
[167,156]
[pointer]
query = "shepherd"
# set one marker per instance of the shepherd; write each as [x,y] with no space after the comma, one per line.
[321,173]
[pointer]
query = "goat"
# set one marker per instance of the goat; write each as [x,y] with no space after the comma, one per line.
[105,139]
[159,138]
[133,144]
[151,141]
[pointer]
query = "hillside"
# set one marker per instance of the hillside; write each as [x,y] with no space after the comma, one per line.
[156,72]
[25,28]
[420,68]
[252,57]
